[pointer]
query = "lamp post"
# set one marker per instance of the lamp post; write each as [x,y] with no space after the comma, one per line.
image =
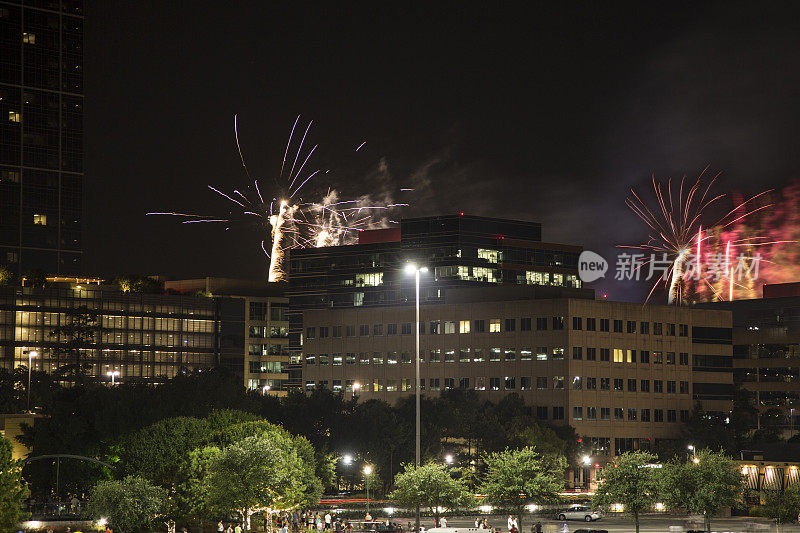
[356,387]
[367,472]
[113,374]
[31,354]
[411,267]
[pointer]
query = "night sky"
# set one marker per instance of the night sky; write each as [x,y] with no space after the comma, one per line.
[548,114]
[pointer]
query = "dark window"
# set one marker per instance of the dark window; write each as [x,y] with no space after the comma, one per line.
[644,385]
[391,329]
[684,415]
[617,326]
[577,322]
[631,385]
[558,322]
[684,358]
[644,328]
[463,383]
[603,324]
[524,383]
[541,324]
[577,352]
[670,358]
[591,354]
[363,330]
[558,413]
[605,413]
[323,332]
[684,387]
[541,412]
[657,330]
[350,331]
[436,327]
[658,386]
[479,326]
[310,332]
[525,324]
[631,326]
[670,387]
[671,330]
[591,383]
[405,328]
[377,329]
[605,354]
[644,356]
[605,383]
[683,330]
[618,413]
[511,324]
[645,415]
[618,384]
[337,332]
[591,324]
[658,415]
[671,415]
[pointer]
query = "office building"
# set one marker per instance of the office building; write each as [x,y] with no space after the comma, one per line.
[458,250]
[193,325]
[766,350]
[41,135]
[624,375]
[261,310]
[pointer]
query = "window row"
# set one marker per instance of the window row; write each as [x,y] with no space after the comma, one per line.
[498,325]
[629,385]
[479,355]
[630,414]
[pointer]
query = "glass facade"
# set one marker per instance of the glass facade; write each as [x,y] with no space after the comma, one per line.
[142,336]
[41,135]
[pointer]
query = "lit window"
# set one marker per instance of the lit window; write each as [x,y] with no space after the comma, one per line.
[369,280]
[537,278]
[494,325]
[463,326]
[558,279]
[449,327]
[14,116]
[40,220]
[490,255]
[618,357]
[29,38]
[486,274]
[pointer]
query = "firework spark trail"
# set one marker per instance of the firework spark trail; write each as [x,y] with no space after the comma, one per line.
[295,224]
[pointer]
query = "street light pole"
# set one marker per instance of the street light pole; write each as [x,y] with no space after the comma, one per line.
[417,438]
[367,472]
[31,355]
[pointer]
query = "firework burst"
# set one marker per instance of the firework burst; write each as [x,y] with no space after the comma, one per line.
[291,220]
[685,243]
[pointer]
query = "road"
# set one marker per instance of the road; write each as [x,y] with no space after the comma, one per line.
[622,524]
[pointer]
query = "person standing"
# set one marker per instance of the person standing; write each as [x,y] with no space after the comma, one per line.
[443,522]
[237,529]
[538,527]
[327,520]
[220,527]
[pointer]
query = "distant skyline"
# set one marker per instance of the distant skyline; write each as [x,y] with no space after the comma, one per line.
[547,114]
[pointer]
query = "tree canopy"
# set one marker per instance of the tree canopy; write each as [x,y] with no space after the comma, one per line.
[516,477]
[432,486]
[13,489]
[131,505]
[631,481]
[704,486]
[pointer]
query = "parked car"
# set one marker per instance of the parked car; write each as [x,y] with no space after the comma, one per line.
[591,531]
[580,512]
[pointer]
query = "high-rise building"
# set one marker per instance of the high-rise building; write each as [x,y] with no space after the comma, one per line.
[41,135]
[458,250]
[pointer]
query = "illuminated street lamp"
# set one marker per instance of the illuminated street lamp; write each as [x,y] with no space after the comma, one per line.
[347,458]
[411,268]
[367,472]
[448,459]
[31,354]
[586,460]
[266,389]
[113,374]
[356,387]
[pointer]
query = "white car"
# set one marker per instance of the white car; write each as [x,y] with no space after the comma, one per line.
[580,512]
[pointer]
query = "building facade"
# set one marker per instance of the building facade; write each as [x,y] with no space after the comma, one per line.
[149,337]
[261,321]
[624,375]
[766,349]
[41,135]
[458,250]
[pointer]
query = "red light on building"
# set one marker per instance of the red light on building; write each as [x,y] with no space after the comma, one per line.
[461,213]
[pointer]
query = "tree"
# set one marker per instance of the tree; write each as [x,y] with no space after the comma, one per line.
[783,506]
[76,333]
[256,473]
[629,481]
[703,486]
[430,486]
[131,505]
[13,489]
[515,477]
